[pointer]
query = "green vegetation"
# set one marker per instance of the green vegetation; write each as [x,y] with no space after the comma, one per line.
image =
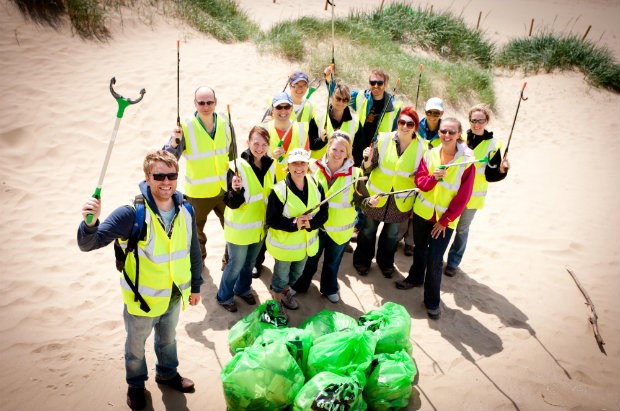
[220,18]
[548,52]
[457,61]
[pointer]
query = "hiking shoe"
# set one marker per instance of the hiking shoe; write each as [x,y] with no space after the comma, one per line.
[433,314]
[405,285]
[256,272]
[333,298]
[136,398]
[387,272]
[232,307]
[249,299]
[408,250]
[177,382]
[348,248]
[363,271]
[288,300]
[450,271]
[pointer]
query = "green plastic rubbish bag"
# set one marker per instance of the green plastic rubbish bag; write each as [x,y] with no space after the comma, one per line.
[297,341]
[330,392]
[389,381]
[348,352]
[328,321]
[246,330]
[392,325]
[261,378]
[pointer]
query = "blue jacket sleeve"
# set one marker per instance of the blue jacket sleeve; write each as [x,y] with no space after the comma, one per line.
[117,225]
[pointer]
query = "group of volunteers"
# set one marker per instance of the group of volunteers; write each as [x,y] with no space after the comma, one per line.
[310,182]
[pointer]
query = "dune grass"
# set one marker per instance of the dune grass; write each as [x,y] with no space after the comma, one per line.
[548,52]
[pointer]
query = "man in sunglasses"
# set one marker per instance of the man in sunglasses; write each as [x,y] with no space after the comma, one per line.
[159,277]
[204,140]
[377,111]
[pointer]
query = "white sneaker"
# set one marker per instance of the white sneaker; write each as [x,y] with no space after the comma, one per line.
[288,300]
[333,298]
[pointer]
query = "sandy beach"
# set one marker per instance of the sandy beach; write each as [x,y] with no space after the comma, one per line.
[514,334]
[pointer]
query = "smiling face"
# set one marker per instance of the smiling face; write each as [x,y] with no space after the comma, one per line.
[478,121]
[205,101]
[298,91]
[449,133]
[377,86]
[258,145]
[406,125]
[298,170]
[337,154]
[282,112]
[162,191]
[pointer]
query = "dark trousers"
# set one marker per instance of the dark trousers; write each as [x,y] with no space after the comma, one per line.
[331,264]
[428,260]
[202,208]
[365,250]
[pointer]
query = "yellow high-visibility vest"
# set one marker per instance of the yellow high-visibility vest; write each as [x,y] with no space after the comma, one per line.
[323,121]
[394,173]
[246,225]
[485,148]
[206,158]
[287,246]
[299,139]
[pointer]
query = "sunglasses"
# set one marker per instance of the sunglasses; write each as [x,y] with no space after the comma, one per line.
[285,107]
[338,133]
[376,82]
[163,176]
[477,120]
[205,103]
[433,113]
[410,124]
[342,99]
[446,131]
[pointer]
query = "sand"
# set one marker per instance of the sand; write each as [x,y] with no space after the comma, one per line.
[515,331]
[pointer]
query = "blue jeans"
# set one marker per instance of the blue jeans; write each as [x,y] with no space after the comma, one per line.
[457,250]
[285,273]
[428,260]
[365,250]
[237,275]
[331,264]
[138,330]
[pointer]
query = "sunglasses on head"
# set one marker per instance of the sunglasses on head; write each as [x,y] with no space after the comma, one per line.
[433,113]
[376,82]
[446,131]
[283,107]
[410,124]
[477,120]
[342,99]
[337,134]
[207,103]
[163,176]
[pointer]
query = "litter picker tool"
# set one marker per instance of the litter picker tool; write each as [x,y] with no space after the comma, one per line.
[234,140]
[484,159]
[408,190]
[387,103]
[331,2]
[122,105]
[334,194]
[178,64]
[417,93]
[521,98]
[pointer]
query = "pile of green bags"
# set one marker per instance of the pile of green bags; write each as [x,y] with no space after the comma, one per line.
[332,362]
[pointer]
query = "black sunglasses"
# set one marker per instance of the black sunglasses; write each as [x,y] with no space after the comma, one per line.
[446,131]
[343,99]
[284,107]
[410,124]
[376,82]
[208,103]
[163,176]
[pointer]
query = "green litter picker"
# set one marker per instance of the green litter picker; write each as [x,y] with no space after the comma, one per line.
[122,105]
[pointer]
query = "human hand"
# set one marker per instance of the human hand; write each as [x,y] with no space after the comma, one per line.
[367,154]
[437,230]
[194,298]
[323,134]
[440,173]
[91,206]
[236,183]
[303,221]
[278,152]
[176,137]
[373,201]
[505,165]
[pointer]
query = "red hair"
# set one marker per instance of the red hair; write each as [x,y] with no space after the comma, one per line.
[410,111]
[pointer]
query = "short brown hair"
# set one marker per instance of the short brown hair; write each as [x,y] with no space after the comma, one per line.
[261,131]
[379,72]
[483,108]
[159,155]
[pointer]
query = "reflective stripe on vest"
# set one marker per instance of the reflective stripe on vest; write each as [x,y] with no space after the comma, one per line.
[438,199]
[350,127]
[164,261]
[298,140]
[485,148]
[245,224]
[395,173]
[341,213]
[294,246]
[206,157]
